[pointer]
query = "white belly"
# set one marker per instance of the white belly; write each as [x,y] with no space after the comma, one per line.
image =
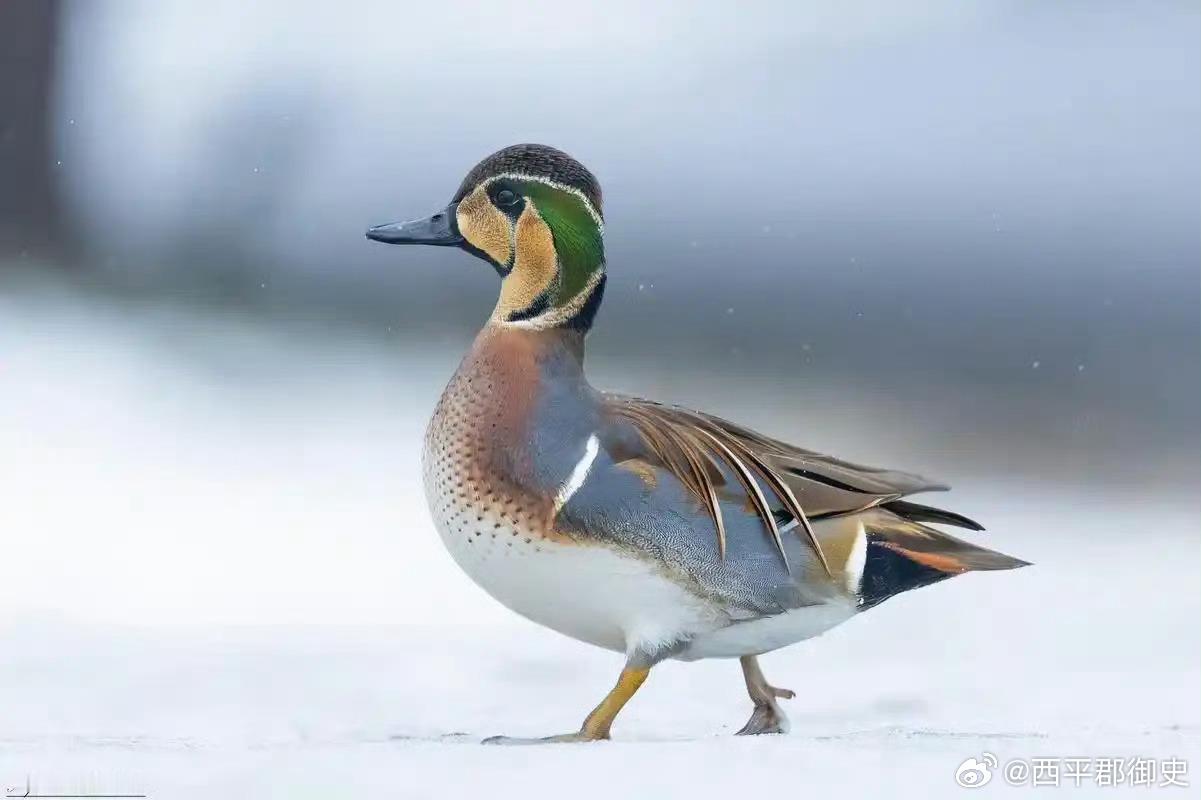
[589,592]
[612,600]
[759,636]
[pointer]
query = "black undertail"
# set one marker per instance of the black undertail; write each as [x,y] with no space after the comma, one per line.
[887,572]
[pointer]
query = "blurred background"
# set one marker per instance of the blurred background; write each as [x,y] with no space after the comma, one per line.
[955,238]
[958,238]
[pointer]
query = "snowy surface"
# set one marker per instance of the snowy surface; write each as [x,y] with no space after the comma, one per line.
[219,580]
[892,701]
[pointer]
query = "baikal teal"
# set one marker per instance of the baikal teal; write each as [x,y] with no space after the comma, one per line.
[654,531]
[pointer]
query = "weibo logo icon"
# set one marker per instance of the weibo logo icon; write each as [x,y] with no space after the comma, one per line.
[973,774]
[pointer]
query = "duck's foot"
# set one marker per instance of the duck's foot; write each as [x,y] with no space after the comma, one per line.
[596,726]
[767,716]
[578,736]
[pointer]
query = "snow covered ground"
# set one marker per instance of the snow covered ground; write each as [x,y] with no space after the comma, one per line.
[219,580]
[894,702]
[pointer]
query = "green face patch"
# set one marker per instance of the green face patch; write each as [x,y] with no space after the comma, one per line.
[579,240]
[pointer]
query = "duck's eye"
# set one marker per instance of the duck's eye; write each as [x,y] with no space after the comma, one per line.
[506,197]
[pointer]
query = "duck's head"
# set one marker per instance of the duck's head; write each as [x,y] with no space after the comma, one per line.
[534,214]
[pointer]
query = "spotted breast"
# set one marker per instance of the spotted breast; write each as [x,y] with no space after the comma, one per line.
[494,497]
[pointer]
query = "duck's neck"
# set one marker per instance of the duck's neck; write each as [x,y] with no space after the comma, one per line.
[584,312]
[560,349]
[521,363]
[551,308]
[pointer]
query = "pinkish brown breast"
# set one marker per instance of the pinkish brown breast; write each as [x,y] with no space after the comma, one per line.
[475,445]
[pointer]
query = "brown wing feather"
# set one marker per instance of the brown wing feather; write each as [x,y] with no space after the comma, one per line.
[678,451]
[758,499]
[693,446]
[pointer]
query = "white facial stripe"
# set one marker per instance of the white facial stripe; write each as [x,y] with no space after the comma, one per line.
[579,473]
[517,176]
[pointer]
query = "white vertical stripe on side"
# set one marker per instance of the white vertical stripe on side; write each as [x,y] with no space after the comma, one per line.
[856,561]
[579,473]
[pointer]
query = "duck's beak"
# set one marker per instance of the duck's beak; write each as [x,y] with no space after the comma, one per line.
[441,229]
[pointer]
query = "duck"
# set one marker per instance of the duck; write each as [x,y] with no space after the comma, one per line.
[652,530]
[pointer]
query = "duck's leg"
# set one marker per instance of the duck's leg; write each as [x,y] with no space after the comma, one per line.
[767,716]
[596,726]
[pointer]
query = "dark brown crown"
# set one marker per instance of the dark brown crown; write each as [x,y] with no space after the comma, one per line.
[538,161]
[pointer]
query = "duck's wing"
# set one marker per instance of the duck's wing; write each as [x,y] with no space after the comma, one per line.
[784,485]
[756,524]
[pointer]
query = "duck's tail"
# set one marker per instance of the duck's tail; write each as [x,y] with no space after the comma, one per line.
[896,552]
